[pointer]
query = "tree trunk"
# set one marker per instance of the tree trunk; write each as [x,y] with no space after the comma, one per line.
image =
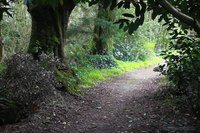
[103,41]
[48,29]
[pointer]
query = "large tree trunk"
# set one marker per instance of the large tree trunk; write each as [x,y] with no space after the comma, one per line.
[103,41]
[48,28]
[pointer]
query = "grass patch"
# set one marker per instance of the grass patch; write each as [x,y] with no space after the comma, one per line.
[90,76]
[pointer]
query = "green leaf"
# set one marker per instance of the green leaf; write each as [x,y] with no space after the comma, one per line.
[131,28]
[126,4]
[160,18]
[119,5]
[125,28]
[137,10]
[121,25]
[128,15]
[141,20]
[144,7]
[122,21]
[113,4]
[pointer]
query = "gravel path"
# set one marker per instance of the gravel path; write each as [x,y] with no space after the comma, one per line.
[123,104]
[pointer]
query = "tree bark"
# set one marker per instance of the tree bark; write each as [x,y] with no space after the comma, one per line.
[195,24]
[48,28]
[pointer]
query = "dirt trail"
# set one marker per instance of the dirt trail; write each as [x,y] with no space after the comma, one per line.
[116,107]
[123,104]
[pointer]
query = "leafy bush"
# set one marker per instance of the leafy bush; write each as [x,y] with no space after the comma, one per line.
[27,82]
[16,30]
[99,61]
[183,65]
[25,79]
[124,51]
[134,52]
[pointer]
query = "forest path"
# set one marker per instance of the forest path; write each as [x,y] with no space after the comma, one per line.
[124,104]
[121,104]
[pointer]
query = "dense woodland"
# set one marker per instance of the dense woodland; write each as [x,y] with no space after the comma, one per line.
[76,43]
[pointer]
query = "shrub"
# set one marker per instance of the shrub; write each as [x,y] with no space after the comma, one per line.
[27,81]
[124,51]
[134,51]
[183,65]
[99,61]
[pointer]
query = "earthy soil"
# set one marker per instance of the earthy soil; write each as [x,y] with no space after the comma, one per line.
[123,104]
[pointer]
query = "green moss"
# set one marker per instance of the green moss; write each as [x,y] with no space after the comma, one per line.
[69,81]
[90,76]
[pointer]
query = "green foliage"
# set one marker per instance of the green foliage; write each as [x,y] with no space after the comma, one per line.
[183,65]
[147,51]
[134,52]
[16,30]
[91,76]
[126,66]
[103,29]
[142,44]
[79,33]
[124,51]
[183,60]
[132,21]
[126,47]
[190,8]
[70,80]
[99,61]
[4,8]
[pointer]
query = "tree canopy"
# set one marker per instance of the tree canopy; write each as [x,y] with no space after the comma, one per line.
[183,10]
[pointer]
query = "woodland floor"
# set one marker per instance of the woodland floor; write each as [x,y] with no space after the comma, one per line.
[124,104]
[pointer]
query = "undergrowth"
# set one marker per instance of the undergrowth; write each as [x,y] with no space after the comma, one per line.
[171,99]
[91,76]
[70,80]
[2,68]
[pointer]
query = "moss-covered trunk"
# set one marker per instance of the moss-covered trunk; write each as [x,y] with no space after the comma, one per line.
[48,28]
[103,41]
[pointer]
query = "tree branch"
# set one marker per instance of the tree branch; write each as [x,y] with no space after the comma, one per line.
[180,16]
